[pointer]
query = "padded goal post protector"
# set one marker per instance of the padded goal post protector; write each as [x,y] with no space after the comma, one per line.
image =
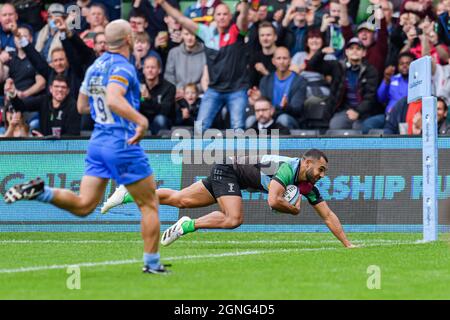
[419,87]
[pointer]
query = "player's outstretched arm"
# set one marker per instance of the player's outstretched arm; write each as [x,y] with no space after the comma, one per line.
[242,19]
[178,15]
[332,222]
[115,99]
[277,202]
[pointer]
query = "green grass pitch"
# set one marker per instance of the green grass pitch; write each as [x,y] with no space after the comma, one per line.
[232,265]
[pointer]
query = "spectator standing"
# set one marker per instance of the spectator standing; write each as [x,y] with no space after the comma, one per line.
[48,38]
[332,29]
[138,21]
[97,21]
[294,27]
[375,43]
[260,64]
[224,47]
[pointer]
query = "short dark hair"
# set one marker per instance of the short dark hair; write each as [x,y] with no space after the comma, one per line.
[97,35]
[315,154]
[267,24]
[442,99]
[406,54]
[191,85]
[264,99]
[57,49]
[60,78]
[155,58]
[136,13]
[102,7]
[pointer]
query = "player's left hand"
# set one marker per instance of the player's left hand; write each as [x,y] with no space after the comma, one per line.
[141,130]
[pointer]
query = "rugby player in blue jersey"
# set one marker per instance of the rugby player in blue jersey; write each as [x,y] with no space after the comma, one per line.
[269,173]
[110,93]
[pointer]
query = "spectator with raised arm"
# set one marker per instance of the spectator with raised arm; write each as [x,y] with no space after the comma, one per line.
[332,30]
[59,65]
[48,38]
[224,47]
[423,8]
[374,41]
[294,27]
[167,40]
[97,20]
[154,13]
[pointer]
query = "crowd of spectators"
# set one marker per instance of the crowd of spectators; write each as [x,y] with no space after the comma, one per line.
[262,64]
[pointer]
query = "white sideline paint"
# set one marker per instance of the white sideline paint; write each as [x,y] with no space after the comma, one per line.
[188,257]
[12,241]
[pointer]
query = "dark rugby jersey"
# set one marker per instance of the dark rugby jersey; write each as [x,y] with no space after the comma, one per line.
[256,172]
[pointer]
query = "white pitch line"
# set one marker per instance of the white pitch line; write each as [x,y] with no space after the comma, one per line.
[188,257]
[18,241]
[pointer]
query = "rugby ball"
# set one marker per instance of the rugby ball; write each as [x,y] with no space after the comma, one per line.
[291,194]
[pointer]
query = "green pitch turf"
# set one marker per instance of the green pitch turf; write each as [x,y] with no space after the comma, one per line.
[212,265]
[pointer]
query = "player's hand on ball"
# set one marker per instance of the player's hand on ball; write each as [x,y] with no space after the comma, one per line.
[298,203]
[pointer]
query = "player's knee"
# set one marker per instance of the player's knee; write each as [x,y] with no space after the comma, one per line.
[234,221]
[84,210]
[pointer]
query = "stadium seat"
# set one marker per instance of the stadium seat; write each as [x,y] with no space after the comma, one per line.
[376,132]
[85,133]
[163,133]
[343,132]
[303,132]
[182,131]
